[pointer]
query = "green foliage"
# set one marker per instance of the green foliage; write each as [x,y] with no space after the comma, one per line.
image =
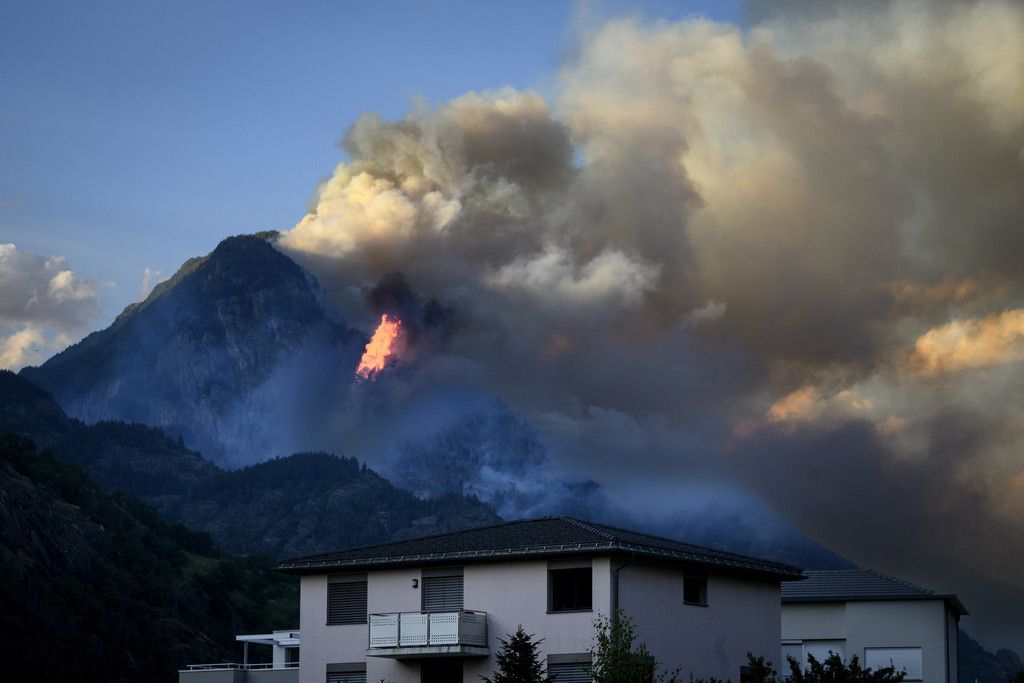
[834,669]
[518,660]
[94,582]
[759,670]
[1016,678]
[617,657]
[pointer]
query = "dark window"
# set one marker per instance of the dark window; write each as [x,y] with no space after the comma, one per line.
[695,590]
[346,673]
[442,593]
[576,672]
[570,589]
[442,670]
[346,600]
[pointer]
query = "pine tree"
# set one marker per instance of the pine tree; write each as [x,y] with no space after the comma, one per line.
[518,660]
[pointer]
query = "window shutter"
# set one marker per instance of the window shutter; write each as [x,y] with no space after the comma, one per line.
[569,673]
[442,593]
[346,602]
[347,677]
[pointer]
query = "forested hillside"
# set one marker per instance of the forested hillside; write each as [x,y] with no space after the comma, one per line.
[94,586]
[301,504]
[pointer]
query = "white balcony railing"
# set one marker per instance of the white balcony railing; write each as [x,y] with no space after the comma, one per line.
[428,629]
[235,666]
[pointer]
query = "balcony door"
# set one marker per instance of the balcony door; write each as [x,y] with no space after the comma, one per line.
[442,589]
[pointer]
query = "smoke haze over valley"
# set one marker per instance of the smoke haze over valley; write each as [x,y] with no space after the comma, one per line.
[755,283]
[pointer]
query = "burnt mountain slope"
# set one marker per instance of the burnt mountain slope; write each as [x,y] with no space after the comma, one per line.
[211,355]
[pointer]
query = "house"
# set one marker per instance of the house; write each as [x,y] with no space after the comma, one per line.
[432,609]
[882,620]
[283,666]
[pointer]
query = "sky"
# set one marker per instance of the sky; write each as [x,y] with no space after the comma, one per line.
[137,134]
[772,247]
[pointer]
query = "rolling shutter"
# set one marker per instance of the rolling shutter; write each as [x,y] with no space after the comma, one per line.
[442,593]
[347,677]
[354,672]
[905,659]
[346,600]
[575,672]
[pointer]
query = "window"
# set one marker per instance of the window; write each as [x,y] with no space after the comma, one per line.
[574,668]
[794,649]
[906,659]
[442,589]
[346,673]
[695,590]
[346,599]
[820,649]
[570,586]
[441,670]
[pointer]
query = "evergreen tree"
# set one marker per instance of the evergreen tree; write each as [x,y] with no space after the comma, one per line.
[518,660]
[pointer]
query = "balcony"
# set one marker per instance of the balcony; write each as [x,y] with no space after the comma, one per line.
[419,635]
[240,673]
[284,667]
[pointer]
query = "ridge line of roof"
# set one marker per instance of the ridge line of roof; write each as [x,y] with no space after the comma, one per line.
[370,546]
[673,541]
[588,526]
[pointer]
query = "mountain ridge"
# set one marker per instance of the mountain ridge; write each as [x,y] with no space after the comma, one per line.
[285,506]
[200,357]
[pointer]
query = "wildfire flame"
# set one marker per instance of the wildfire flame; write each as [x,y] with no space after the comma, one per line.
[383,346]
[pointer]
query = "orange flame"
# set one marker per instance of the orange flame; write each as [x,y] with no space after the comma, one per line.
[383,346]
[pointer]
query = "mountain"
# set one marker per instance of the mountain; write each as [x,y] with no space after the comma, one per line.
[217,354]
[95,586]
[977,665]
[301,504]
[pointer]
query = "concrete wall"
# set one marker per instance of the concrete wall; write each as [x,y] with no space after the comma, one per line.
[237,676]
[221,676]
[890,623]
[741,615]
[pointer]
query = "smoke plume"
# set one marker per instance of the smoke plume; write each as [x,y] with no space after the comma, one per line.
[786,256]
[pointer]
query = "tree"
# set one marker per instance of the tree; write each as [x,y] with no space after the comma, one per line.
[1016,678]
[832,669]
[518,660]
[616,656]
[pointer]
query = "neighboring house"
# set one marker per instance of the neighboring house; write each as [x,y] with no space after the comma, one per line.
[431,610]
[283,666]
[881,620]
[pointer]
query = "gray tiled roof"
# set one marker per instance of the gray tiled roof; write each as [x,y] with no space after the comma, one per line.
[842,585]
[534,538]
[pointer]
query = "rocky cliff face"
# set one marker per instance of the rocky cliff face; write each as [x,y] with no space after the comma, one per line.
[223,354]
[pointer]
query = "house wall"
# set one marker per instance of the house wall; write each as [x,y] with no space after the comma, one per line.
[952,645]
[887,623]
[516,594]
[511,593]
[741,615]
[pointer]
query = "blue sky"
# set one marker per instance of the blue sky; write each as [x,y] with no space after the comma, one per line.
[136,134]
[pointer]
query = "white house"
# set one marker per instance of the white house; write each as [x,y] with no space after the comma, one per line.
[881,620]
[432,609]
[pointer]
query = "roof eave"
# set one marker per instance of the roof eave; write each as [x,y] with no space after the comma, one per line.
[767,570]
[951,600]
